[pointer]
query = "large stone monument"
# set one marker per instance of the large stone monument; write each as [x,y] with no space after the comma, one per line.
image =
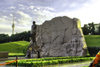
[61,36]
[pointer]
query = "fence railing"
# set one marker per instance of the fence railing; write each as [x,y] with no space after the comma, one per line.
[11,62]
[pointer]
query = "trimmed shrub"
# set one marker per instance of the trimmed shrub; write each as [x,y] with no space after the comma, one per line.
[51,61]
[93,50]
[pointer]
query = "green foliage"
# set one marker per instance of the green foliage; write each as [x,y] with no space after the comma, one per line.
[93,50]
[4,38]
[14,47]
[23,36]
[20,36]
[91,28]
[50,61]
[85,29]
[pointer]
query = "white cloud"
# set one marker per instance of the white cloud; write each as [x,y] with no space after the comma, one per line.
[11,15]
[5,28]
[49,8]
[42,15]
[5,17]
[5,20]
[31,7]
[12,7]
[25,19]
[23,14]
[21,5]
[35,10]
[73,5]
[21,29]
[6,23]
[90,12]
[2,20]
[41,8]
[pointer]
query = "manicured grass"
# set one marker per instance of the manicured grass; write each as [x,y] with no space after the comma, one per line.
[14,48]
[92,40]
[38,62]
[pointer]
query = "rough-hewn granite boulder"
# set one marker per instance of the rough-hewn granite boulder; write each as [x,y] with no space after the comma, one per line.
[61,36]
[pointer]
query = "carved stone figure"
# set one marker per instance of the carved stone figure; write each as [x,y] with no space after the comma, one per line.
[31,51]
[33,32]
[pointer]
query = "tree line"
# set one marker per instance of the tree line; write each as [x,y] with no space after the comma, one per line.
[91,29]
[23,36]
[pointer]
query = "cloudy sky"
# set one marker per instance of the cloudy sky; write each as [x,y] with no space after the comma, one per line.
[25,11]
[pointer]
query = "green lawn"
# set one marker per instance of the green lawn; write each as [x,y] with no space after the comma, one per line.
[92,40]
[14,48]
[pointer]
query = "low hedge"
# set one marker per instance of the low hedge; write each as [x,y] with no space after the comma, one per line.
[93,50]
[16,54]
[50,61]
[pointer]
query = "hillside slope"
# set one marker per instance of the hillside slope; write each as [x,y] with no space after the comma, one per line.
[92,40]
[14,47]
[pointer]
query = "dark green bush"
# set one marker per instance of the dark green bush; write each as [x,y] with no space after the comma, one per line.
[93,50]
[20,36]
[23,36]
[4,38]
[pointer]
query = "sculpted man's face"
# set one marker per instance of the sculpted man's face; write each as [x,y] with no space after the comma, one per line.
[33,22]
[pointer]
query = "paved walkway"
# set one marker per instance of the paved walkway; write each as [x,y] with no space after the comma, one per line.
[78,64]
[81,64]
